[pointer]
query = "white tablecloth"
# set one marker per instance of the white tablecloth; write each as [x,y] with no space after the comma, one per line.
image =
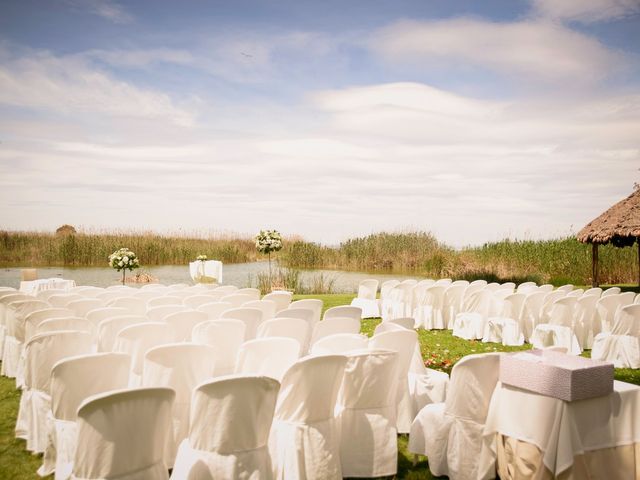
[34,286]
[561,430]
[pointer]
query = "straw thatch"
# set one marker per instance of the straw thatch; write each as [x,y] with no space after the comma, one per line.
[619,225]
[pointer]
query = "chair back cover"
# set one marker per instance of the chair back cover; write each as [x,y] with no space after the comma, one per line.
[181,324]
[428,307]
[368,289]
[270,357]
[313,304]
[135,340]
[214,309]
[267,307]
[194,301]
[44,350]
[339,343]
[252,317]
[74,379]
[122,435]
[305,314]
[452,302]
[287,327]
[282,299]
[367,414]
[627,321]
[611,291]
[134,304]
[63,299]
[253,292]
[164,300]
[160,312]
[304,441]
[81,307]
[343,311]
[225,336]
[109,328]
[606,308]
[473,380]
[35,318]
[562,311]
[237,299]
[99,314]
[389,326]
[406,322]
[334,325]
[66,323]
[181,367]
[16,314]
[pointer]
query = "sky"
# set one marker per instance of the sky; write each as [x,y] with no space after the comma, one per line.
[327,119]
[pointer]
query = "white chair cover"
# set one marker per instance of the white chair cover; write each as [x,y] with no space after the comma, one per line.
[214,309]
[334,325]
[229,430]
[339,343]
[109,328]
[225,336]
[194,301]
[606,309]
[159,313]
[470,323]
[99,314]
[452,302]
[181,324]
[343,311]
[287,327]
[237,299]
[559,331]
[304,442]
[399,303]
[35,318]
[73,380]
[41,353]
[428,308]
[66,323]
[63,299]
[366,411]
[181,367]
[622,345]
[406,322]
[81,307]
[583,316]
[164,300]
[136,340]
[134,304]
[450,433]
[611,291]
[267,307]
[531,309]
[366,298]
[252,317]
[313,304]
[253,292]
[122,434]
[282,299]
[270,357]
[404,342]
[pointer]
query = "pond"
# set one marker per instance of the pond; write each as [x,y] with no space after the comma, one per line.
[239,274]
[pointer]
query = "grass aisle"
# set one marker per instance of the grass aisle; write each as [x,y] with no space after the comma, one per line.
[440,349]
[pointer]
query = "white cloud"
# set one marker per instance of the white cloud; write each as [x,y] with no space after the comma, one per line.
[586,11]
[104,8]
[70,85]
[139,58]
[531,49]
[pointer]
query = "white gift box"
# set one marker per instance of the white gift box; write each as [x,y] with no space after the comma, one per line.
[557,374]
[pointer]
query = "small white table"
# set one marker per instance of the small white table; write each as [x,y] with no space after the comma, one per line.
[34,286]
[561,430]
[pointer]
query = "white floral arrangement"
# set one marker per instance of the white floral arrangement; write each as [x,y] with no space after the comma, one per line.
[268,241]
[202,258]
[123,259]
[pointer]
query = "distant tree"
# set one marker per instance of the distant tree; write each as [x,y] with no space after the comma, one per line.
[66,230]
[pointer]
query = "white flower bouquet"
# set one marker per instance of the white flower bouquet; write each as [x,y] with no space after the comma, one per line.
[202,258]
[123,260]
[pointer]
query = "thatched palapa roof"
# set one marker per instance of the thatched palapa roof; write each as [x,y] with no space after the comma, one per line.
[619,225]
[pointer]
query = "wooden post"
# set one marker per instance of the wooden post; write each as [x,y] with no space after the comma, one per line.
[594,265]
[638,242]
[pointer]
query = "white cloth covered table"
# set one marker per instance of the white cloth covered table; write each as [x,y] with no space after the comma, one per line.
[34,286]
[561,430]
[209,268]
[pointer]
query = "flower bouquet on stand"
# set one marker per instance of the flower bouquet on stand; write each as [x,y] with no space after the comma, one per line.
[268,241]
[201,276]
[123,260]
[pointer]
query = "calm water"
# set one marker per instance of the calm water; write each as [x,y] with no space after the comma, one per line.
[239,274]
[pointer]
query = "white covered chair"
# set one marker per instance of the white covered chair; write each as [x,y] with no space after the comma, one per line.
[164,300]
[214,309]
[452,302]
[99,314]
[237,299]
[531,309]
[269,356]
[339,343]
[267,307]
[583,317]
[527,287]
[304,314]
[135,340]
[295,328]
[252,318]
[406,322]
[450,433]
[81,307]
[181,367]
[73,380]
[35,318]
[611,291]
[159,313]
[595,291]
[281,298]
[63,299]
[469,324]
[66,323]
[404,342]
[313,304]
[505,328]
[6,297]
[333,325]
[233,441]
[41,354]
[622,345]
[559,331]
[343,311]
[134,304]
[547,304]
[428,308]
[366,411]
[122,434]
[366,298]
[399,302]
[109,328]
[194,301]
[385,294]
[225,336]
[181,324]
[606,309]
[254,293]
[304,442]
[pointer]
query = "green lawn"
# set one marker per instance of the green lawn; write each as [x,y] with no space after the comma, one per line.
[440,349]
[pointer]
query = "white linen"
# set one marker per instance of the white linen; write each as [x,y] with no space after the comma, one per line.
[32,287]
[229,430]
[622,345]
[366,298]
[210,268]
[561,430]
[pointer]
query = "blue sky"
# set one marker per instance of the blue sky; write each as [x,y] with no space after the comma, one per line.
[473,120]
